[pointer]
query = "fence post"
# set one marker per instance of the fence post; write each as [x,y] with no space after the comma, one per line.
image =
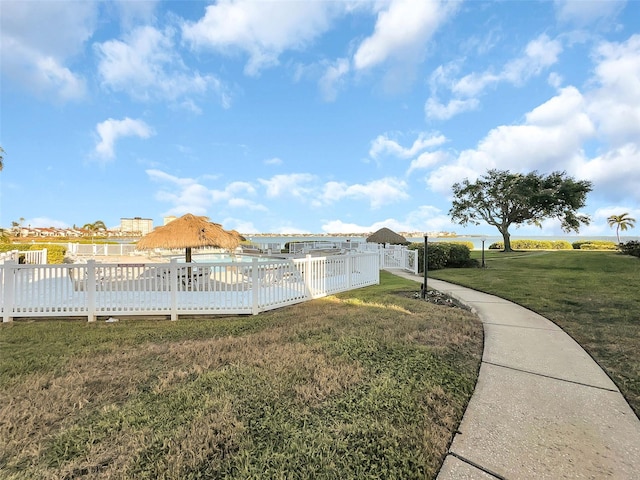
[173,287]
[8,276]
[91,290]
[44,256]
[349,267]
[255,286]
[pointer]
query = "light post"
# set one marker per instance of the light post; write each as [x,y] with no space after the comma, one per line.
[483,240]
[426,266]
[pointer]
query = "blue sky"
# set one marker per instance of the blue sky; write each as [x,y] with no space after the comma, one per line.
[312,116]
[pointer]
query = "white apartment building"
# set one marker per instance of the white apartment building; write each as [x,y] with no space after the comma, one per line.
[136,225]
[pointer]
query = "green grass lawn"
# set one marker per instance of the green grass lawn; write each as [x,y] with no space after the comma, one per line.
[367,384]
[594,296]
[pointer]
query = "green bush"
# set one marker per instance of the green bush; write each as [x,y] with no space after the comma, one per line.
[594,245]
[55,252]
[630,248]
[444,255]
[534,245]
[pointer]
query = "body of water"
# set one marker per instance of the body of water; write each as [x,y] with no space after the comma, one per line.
[476,240]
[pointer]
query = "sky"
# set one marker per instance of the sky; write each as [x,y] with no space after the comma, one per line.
[312,116]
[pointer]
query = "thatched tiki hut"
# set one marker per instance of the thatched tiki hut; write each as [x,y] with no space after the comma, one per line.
[384,236]
[189,231]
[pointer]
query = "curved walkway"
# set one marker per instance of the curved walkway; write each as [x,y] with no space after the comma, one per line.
[542,407]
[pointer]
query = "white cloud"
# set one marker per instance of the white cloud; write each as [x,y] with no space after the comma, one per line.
[402,31]
[539,54]
[554,136]
[263,30]
[424,219]
[377,192]
[333,79]
[38,39]
[147,66]
[273,161]
[427,160]
[551,138]
[614,172]
[583,13]
[615,103]
[232,190]
[434,109]
[186,194]
[111,130]
[383,145]
[295,185]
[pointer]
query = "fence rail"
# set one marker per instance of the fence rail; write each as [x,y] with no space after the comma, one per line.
[100,289]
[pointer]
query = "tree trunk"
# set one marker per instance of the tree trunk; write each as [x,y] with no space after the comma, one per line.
[506,238]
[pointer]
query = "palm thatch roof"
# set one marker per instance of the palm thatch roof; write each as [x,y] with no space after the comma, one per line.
[189,231]
[384,235]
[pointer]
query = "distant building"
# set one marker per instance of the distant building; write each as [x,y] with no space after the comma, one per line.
[169,218]
[136,225]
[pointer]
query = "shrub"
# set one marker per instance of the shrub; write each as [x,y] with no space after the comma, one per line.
[630,248]
[534,245]
[55,252]
[444,255]
[594,245]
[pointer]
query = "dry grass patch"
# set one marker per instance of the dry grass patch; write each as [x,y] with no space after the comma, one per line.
[362,385]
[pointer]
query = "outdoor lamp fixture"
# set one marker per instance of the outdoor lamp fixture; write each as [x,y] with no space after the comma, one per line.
[483,240]
[426,266]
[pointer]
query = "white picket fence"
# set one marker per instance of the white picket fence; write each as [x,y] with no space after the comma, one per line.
[172,289]
[32,257]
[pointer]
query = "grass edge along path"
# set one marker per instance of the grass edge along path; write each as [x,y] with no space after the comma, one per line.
[367,384]
[591,295]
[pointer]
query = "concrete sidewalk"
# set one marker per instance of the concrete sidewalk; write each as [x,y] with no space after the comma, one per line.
[542,407]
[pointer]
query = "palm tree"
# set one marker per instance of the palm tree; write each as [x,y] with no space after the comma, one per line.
[94,227]
[622,222]
[1,158]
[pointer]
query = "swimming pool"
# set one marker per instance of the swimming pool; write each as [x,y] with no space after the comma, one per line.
[226,258]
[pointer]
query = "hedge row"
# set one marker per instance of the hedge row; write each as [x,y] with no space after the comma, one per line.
[557,245]
[631,248]
[55,252]
[444,255]
[534,245]
[594,245]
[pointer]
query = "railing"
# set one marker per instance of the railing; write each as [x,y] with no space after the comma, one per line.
[99,249]
[96,289]
[33,257]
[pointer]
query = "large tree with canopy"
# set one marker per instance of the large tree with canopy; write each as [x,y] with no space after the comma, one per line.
[502,199]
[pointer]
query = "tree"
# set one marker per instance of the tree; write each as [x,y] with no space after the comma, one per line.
[95,227]
[503,199]
[1,158]
[622,222]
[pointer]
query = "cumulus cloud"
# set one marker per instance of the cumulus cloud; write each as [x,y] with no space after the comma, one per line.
[111,130]
[189,195]
[425,218]
[146,66]
[554,135]
[615,103]
[262,30]
[39,39]
[295,185]
[402,30]
[186,195]
[377,192]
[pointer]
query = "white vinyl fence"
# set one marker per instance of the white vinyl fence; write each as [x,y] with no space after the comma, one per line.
[32,257]
[99,249]
[100,289]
